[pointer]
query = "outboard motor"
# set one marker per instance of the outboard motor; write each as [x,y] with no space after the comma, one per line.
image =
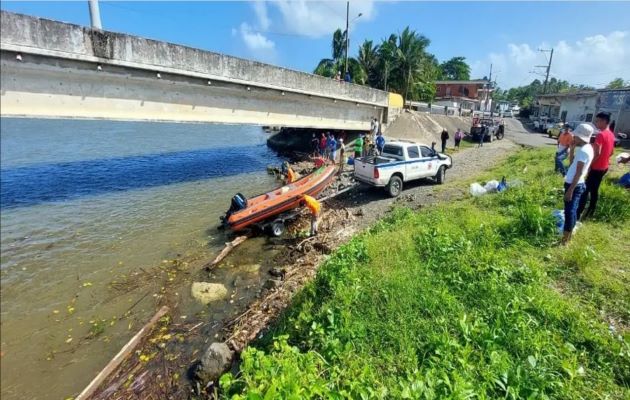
[239,202]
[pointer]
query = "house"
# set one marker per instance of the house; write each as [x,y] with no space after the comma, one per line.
[468,95]
[617,103]
[584,105]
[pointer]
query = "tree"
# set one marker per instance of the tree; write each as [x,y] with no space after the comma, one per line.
[409,59]
[617,83]
[455,69]
[329,66]
[368,60]
[386,60]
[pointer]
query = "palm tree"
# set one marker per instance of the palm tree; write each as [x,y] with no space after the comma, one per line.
[386,59]
[329,66]
[368,60]
[409,57]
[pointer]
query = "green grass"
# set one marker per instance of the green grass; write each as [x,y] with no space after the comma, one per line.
[460,301]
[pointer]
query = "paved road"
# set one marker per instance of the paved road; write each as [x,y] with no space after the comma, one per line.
[520,134]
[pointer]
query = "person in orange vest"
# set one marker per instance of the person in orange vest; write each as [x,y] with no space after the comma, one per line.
[315,208]
[288,174]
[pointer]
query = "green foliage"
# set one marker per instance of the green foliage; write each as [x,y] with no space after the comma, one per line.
[399,64]
[613,205]
[617,83]
[455,69]
[458,301]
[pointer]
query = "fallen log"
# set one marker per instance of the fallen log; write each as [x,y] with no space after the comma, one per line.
[226,250]
[122,354]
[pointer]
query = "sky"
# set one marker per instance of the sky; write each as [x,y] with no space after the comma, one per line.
[591,40]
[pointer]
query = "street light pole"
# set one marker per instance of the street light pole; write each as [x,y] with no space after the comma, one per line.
[95,15]
[347,32]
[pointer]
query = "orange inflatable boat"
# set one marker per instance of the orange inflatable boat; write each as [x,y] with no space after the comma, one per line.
[244,212]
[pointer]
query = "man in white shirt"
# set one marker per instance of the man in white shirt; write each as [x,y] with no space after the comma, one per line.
[574,185]
[374,131]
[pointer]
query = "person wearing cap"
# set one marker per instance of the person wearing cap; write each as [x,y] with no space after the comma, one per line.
[562,152]
[574,185]
[602,149]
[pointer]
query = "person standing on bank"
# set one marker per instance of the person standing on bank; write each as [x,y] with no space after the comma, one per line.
[602,150]
[332,148]
[459,135]
[358,147]
[574,185]
[314,145]
[322,145]
[375,128]
[315,208]
[562,152]
[444,138]
[380,143]
[342,151]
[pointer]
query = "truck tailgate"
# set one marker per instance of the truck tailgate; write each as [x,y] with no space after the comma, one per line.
[364,169]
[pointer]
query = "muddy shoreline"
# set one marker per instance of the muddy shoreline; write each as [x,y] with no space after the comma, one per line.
[165,364]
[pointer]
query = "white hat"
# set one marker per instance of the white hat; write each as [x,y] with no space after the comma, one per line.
[584,131]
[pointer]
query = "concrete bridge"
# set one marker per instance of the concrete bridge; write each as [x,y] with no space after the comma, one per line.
[51,69]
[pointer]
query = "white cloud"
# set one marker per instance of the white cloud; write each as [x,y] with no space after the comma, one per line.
[260,8]
[316,19]
[299,17]
[255,41]
[594,61]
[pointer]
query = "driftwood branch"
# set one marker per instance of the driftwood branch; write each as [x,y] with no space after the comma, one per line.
[122,354]
[226,250]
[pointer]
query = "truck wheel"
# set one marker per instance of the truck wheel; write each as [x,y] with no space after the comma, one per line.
[276,228]
[394,187]
[441,175]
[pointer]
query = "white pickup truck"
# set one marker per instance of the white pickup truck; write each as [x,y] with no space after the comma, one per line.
[401,161]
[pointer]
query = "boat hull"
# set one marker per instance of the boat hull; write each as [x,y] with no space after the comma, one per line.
[265,206]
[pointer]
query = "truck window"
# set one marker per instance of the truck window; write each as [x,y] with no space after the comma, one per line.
[393,150]
[426,152]
[413,152]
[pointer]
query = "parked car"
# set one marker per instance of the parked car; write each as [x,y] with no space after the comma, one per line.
[487,127]
[401,161]
[555,130]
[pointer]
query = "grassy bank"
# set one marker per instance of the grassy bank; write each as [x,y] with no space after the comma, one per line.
[462,300]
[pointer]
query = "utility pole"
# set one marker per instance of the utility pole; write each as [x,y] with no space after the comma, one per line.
[347,32]
[95,15]
[488,85]
[547,67]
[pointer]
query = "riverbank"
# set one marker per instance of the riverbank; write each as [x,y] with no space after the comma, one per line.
[469,297]
[295,257]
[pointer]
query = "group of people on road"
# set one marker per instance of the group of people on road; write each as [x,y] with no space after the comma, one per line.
[588,165]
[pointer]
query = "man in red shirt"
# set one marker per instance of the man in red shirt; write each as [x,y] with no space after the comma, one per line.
[602,149]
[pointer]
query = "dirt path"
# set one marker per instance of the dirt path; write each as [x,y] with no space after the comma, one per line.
[374,203]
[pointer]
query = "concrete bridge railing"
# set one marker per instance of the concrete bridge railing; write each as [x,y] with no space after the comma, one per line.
[54,69]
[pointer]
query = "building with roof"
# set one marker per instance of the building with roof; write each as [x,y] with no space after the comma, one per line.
[585,104]
[469,95]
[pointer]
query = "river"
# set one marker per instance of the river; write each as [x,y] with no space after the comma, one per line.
[86,205]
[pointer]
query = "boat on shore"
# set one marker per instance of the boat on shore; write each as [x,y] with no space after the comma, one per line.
[245,212]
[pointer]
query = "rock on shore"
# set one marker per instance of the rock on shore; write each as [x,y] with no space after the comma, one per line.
[206,292]
[215,361]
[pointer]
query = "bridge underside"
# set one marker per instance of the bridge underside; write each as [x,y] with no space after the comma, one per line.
[51,87]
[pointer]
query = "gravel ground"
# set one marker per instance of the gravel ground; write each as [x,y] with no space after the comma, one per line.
[370,204]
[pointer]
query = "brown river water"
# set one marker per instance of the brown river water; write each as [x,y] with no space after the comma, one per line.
[87,205]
